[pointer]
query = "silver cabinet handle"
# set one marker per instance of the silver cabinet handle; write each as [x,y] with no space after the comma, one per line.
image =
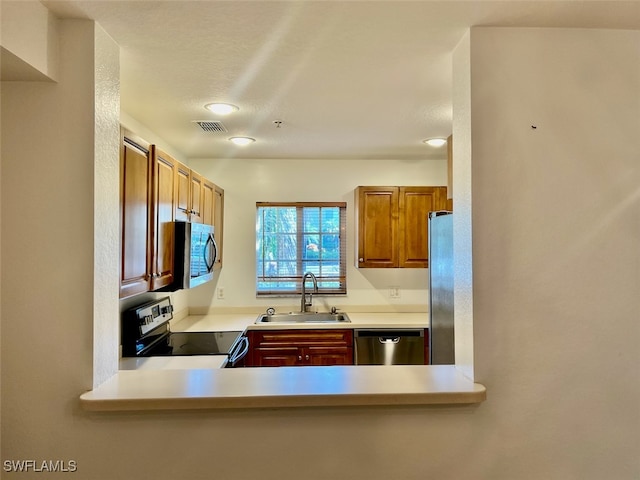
[361,259]
[299,357]
[306,357]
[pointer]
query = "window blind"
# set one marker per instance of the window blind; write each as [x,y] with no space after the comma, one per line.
[295,238]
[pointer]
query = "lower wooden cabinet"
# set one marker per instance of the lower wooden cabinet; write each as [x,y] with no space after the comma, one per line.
[274,348]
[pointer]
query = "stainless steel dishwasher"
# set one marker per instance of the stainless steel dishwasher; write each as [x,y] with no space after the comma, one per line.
[389,347]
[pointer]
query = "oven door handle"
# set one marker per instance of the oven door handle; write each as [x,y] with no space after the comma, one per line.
[239,352]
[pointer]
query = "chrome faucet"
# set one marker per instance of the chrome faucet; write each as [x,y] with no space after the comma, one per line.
[303,300]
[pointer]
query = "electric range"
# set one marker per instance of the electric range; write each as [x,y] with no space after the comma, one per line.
[146,333]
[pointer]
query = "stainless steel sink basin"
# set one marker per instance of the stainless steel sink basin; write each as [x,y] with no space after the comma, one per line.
[299,317]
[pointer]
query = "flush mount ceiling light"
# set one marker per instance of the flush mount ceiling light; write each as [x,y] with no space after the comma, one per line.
[435,142]
[221,108]
[242,141]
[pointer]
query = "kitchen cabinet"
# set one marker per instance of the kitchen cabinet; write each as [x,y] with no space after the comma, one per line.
[218,222]
[273,348]
[199,200]
[135,198]
[392,225]
[155,191]
[208,202]
[190,195]
[164,190]
[212,214]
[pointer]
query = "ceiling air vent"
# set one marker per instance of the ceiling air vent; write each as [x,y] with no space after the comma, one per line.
[211,126]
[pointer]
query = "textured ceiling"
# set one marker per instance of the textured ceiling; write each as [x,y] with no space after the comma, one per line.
[354,79]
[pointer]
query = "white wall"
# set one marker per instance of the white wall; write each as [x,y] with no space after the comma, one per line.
[462,219]
[249,181]
[555,308]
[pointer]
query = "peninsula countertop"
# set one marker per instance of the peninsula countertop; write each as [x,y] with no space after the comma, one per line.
[197,385]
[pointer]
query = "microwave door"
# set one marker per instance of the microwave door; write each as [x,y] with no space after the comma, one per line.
[199,256]
[203,253]
[195,254]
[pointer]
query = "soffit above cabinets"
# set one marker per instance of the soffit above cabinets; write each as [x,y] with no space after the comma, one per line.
[365,80]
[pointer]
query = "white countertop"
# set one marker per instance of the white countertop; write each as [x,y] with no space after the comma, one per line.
[185,362]
[258,387]
[244,321]
[198,382]
[229,322]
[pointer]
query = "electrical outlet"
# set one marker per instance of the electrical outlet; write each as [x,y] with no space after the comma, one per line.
[220,292]
[394,292]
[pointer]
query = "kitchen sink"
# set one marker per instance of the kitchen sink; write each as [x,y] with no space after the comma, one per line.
[307,317]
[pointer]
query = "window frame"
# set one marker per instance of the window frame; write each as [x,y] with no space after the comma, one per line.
[300,234]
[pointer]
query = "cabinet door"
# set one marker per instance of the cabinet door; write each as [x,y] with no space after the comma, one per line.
[415,205]
[208,202]
[197,197]
[218,222]
[183,194]
[163,207]
[135,175]
[300,347]
[377,223]
[322,355]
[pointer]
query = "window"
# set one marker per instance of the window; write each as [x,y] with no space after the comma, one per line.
[295,238]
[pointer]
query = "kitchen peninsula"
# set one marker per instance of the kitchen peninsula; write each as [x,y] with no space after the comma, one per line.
[189,386]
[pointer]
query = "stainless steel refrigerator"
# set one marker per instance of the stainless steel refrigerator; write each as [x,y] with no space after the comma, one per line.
[441,339]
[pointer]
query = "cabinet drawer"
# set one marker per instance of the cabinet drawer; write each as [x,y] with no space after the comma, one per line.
[302,337]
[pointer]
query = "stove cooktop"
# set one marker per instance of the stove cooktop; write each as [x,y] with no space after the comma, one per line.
[193,343]
[146,333]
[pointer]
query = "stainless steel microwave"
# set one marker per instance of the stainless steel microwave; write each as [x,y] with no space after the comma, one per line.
[195,254]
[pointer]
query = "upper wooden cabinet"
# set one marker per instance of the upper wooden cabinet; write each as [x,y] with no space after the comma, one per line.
[218,222]
[190,197]
[165,194]
[155,191]
[135,199]
[377,211]
[212,214]
[197,197]
[392,225]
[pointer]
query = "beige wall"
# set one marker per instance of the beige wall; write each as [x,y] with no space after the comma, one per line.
[555,229]
[29,39]
[249,181]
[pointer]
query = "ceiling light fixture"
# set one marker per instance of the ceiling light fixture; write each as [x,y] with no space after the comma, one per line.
[242,141]
[435,142]
[221,108]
